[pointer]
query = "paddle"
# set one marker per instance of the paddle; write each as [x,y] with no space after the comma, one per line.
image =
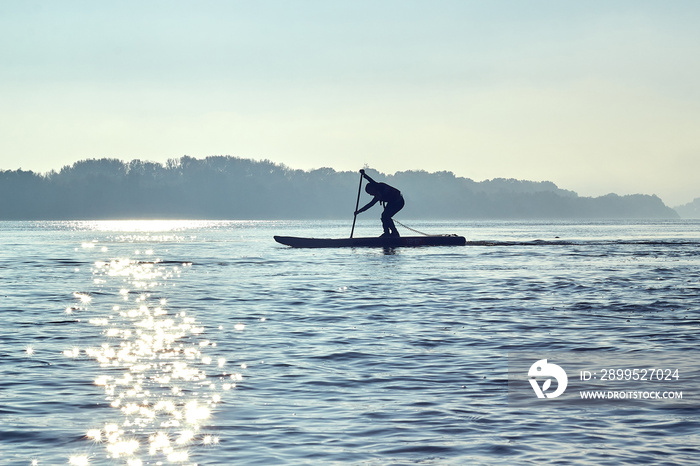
[357,204]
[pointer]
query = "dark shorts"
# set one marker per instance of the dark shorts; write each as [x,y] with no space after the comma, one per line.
[392,208]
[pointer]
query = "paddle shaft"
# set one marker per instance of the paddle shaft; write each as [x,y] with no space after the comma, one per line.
[357,205]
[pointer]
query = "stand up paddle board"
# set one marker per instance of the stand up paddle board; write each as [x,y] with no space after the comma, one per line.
[390,242]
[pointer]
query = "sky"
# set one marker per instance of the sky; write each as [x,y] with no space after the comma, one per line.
[596,96]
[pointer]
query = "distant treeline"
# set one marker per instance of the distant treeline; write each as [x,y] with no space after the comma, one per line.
[224,187]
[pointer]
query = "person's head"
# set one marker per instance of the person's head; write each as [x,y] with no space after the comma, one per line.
[371,189]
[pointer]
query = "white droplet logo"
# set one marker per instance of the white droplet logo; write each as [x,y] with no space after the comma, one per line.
[541,369]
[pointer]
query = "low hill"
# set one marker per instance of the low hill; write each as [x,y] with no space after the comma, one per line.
[690,210]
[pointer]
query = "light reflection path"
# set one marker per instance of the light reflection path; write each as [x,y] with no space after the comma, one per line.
[153,363]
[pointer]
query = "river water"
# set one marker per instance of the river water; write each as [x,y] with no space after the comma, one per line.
[205,342]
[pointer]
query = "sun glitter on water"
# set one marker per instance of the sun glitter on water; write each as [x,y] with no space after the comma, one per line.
[79,460]
[154,365]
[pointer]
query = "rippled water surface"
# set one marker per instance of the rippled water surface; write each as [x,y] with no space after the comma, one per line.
[185,342]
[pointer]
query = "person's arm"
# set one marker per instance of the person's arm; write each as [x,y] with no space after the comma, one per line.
[367,177]
[369,204]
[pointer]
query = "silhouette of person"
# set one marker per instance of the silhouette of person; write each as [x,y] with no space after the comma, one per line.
[389,197]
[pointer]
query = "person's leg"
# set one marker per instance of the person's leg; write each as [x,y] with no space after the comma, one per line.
[387,223]
[389,211]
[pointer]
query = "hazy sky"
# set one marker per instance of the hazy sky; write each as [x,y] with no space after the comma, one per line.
[596,96]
